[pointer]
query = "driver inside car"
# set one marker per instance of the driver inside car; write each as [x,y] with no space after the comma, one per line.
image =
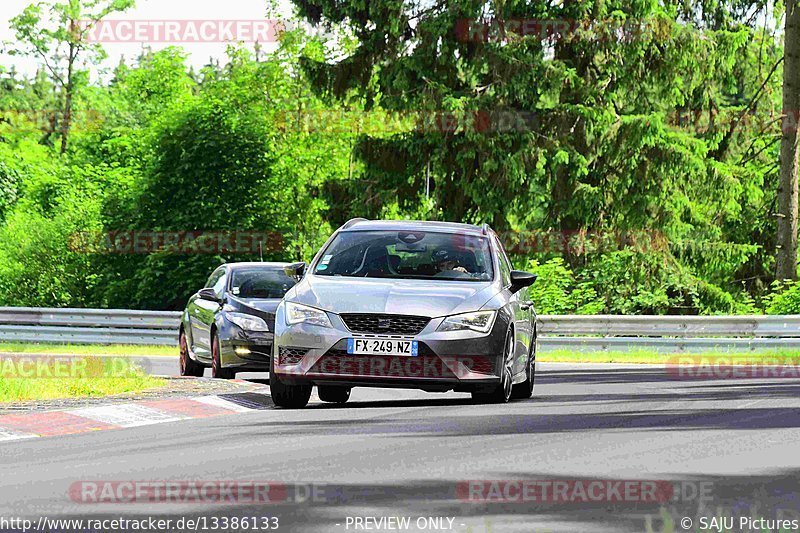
[445,263]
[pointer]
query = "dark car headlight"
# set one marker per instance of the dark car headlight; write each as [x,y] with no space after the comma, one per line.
[480,321]
[247,322]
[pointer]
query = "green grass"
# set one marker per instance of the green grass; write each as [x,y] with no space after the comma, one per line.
[87,349]
[633,356]
[644,356]
[14,389]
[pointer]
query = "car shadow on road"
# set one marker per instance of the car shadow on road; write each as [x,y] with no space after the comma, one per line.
[498,502]
[464,424]
[603,387]
[419,402]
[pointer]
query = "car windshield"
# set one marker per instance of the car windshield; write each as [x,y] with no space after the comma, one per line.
[408,255]
[260,283]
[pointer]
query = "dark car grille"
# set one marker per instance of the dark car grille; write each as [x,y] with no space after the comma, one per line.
[386,324]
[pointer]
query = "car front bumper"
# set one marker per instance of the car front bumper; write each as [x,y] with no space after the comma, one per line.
[461,360]
[246,350]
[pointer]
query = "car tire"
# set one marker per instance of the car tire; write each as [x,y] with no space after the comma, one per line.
[333,394]
[189,367]
[217,370]
[524,390]
[286,395]
[502,392]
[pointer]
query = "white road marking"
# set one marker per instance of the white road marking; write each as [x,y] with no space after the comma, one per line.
[216,401]
[7,434]
[126,415]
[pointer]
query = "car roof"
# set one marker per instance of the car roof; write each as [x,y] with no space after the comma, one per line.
[413,225]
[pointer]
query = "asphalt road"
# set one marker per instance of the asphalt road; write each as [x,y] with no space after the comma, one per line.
[725,447]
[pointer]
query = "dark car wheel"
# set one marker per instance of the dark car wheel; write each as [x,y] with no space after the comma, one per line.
[286,395]
[217,371]
[524,390]
[502,392]
[333,394]
[189,367]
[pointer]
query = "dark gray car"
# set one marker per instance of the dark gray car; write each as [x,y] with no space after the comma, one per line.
[428,305]
[228,325]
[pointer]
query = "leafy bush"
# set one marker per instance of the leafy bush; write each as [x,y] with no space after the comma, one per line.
[556,292]
[785,298]
[654,283]
[628,282]
[37,265]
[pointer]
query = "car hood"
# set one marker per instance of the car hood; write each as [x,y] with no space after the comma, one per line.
[260,304]
[403,297]
[261,307]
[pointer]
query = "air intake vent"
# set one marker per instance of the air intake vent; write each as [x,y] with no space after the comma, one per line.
[291,356]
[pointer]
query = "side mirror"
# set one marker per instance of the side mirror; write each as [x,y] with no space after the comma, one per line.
[296,270]
[208,294]
[521,279]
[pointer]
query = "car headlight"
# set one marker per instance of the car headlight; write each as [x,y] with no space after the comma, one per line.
[299,313]
[480,321]
[247,322]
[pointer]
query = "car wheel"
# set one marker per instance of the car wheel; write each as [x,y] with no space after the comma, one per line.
[524,390]
[189,367]
[286,395]
[333,394]
[217,371]
[502,392]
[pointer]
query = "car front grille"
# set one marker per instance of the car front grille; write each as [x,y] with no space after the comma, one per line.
[385,324]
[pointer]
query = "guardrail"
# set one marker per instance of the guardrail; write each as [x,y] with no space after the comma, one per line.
[669,334]
[88,326]
[558,332]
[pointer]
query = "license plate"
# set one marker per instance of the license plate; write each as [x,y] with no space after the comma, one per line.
[382,347]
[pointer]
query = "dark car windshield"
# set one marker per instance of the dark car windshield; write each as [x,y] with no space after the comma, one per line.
[408,255]
[260,283]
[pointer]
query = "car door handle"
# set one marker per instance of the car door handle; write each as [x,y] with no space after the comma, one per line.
[525,307]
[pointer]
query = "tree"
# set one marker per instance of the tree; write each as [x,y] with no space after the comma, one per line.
[786,258]
[58,34]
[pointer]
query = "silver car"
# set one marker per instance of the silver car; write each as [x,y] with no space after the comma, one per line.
[425,305]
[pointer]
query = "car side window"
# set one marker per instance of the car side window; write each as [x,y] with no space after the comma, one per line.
[214,278]
[219,286]
[505,264]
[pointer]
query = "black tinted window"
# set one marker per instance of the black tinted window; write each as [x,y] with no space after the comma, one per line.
[260,283]
[408,255]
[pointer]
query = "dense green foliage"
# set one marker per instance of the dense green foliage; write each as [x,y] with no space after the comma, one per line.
[597,138]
